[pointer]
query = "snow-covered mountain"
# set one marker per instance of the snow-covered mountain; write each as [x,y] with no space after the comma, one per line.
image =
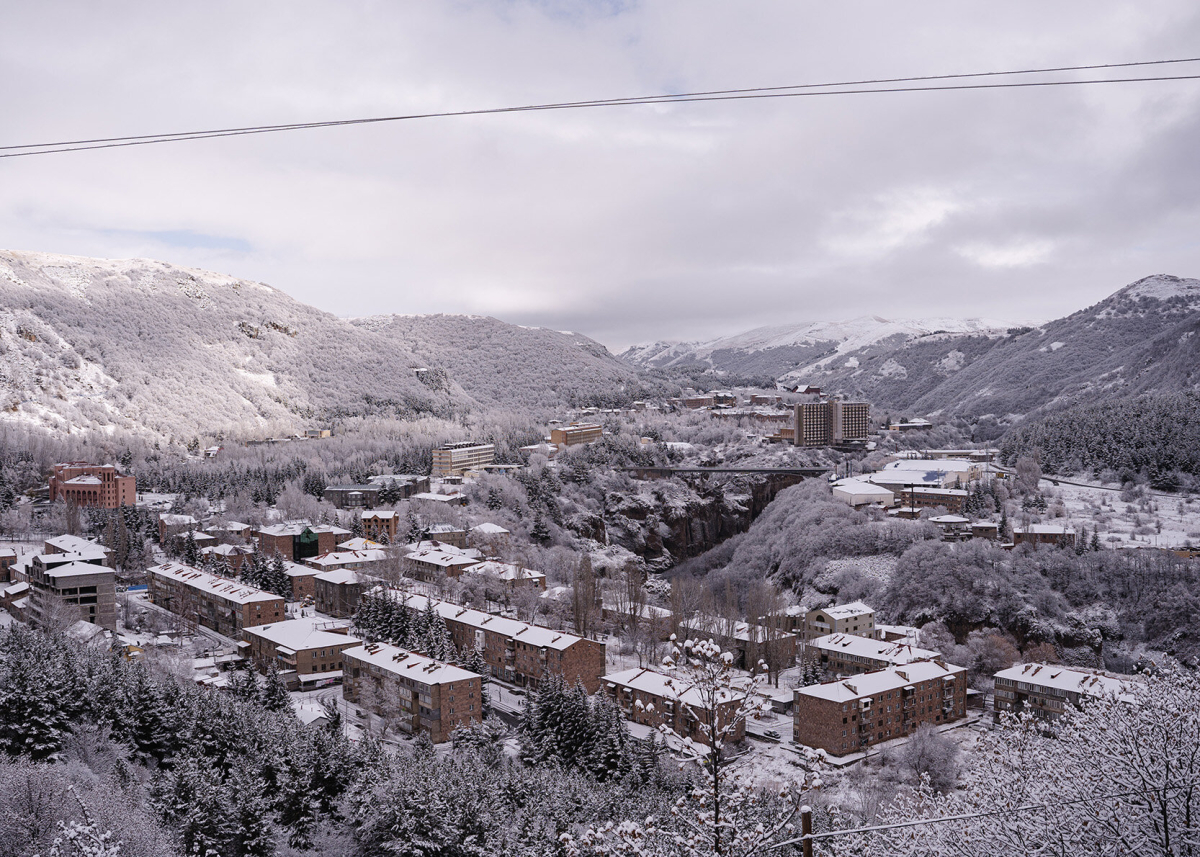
[174,352]
[783,349]
[1139,339]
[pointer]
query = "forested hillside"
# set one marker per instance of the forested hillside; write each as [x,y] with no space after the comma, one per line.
[1152,434]
[1140,339]
[151,348]
[503,364]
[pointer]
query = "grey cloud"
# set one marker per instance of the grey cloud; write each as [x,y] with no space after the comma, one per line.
[627,224]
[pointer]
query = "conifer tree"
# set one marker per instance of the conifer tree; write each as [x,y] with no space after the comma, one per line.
[244,685]
[274,694]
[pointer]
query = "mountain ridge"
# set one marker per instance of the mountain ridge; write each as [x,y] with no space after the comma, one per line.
[154,348]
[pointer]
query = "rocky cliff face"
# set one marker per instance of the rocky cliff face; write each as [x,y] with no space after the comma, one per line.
[670,520]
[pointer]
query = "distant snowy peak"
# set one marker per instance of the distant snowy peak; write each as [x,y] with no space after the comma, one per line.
[79,274]
[1162,287]
[850,335]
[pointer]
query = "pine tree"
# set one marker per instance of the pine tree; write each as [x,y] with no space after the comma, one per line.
[1095,543]
[34,721]
[274,693]
[244,685]
[251,833]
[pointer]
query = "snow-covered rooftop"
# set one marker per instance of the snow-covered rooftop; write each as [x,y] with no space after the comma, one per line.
[666,686]
[298,634]
[847,611]
[1061,678]
[295,528]
[881,681]
[334,559]
[533,635]
[489,529]
[441,558]
[506,571]
[228,589]
[77,569]
[338,576]
[947,465]
[74,544]
[359,544]
[405,663]
[880,650]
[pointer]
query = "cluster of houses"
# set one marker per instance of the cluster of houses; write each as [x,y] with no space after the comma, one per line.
[940,480]
[318,556]
[885,687]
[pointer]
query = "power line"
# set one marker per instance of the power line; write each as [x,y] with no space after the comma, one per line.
[828,834]
[873,86]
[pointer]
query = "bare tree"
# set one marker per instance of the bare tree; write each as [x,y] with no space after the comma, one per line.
[584,596]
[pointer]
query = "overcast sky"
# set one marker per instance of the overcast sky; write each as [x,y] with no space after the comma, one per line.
[629,224]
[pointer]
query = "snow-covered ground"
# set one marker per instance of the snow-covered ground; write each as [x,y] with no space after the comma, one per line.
[1153,519]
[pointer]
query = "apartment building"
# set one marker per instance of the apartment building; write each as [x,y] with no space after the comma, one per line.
[74,579]
[336,592]
[512,577]
[100,485]
[1044,534]
[416,693]
[849,654]
[234,556]
[8,558]
[576,433]
[448,534]
[224,605]
[347,559]
[453,458]
[655,699]
[1046,691]
[310,647]
[171,525]
[428,564]
[854,618]
[749,643]
[829,423]
[850,715]
[380,526]
[86,549]
[953,500]
[516,651]
[352,496]
[299,540]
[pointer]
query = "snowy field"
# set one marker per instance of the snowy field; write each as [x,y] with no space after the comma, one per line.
[1141,518]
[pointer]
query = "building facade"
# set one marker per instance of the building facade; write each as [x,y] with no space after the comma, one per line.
[223,605]
[1044,534]
[953,500]
[515,651]
[453,458]
[336,592]
[849,654]
[576,433]
[850,715]
[310,647]
[1047,691]
[416,693]
[83,484]
[654,699]
[829,423]
[854,618]
[73,581]
[380,526]
[299,541]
